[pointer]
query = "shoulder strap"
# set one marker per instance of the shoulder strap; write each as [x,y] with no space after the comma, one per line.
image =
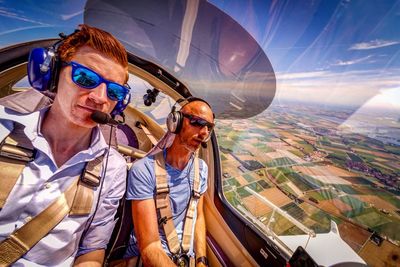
[90,179]
[15,153]
[22,240]
[188,230]
[163,206]
[26,102]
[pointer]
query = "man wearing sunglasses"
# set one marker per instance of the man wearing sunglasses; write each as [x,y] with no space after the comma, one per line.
[70,156]
[192,126]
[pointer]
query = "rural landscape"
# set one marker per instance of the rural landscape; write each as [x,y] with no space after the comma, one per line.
[293,170]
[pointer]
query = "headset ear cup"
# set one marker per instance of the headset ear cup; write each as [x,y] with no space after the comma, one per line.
[39,79]
[174,122]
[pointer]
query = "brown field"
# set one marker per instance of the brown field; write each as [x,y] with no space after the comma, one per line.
[375,153]
[327,170]
[334,206]
[307,137]
[387,254]
[256,206]
[287,135]
[275,196]
[277,145]
[378,202]
[353,235]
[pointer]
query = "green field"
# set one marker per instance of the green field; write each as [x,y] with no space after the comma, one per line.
[372,219]
[358,207]
[321,195]
[256,187]
[248,177]
[233,182]
[264,184]
[242,192]
[280,162]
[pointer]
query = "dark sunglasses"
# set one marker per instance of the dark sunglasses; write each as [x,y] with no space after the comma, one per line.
[89,79]
[199,122]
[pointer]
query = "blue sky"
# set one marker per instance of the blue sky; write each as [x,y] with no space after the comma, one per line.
[335,52]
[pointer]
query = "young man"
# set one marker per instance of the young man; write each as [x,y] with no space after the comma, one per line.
[192,128]
[92,77]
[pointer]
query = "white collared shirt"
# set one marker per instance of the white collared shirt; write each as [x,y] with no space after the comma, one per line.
[42,182]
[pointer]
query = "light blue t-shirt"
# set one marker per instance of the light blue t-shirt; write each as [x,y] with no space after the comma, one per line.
[42,182]
[142,185]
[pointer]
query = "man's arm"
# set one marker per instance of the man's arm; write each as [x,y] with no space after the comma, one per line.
[200,232]
[91,259]
[146,230]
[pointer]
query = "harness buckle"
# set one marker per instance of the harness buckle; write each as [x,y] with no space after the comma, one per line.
[16,152]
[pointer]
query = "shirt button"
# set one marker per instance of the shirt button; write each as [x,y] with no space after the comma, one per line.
[27,219]
[47,185]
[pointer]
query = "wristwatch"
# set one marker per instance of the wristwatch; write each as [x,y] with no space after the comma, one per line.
[203,260]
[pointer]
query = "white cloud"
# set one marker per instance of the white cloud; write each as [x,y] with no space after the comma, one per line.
[373,44]
[69,16]
[350,62]
[10,14]
[326,87]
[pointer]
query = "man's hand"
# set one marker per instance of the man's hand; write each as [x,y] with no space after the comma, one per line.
[146,231]
[92,259]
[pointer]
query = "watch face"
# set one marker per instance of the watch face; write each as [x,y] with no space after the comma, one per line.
[182,261]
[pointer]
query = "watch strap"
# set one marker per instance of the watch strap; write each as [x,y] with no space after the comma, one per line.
[203,260]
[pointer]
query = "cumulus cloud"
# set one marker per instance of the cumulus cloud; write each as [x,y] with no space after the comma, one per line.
[373,44]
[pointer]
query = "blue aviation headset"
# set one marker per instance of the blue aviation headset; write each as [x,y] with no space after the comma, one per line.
[44,67]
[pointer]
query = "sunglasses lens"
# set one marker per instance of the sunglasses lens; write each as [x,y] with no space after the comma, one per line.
[85,78]
[201,123]
[116,92]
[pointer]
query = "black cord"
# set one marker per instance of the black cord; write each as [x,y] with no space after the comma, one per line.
[101,183]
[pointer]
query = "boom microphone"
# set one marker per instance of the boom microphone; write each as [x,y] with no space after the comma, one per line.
[103,118]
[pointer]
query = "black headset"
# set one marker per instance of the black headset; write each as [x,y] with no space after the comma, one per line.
[175,118]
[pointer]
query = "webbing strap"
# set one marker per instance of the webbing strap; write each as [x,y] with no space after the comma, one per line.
[22,240]
[163,204]
[187,230]
[15,152]
[84,196]
[151,137]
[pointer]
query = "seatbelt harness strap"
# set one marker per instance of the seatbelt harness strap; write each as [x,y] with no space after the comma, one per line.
[15,152]
[163,206]
[22,240]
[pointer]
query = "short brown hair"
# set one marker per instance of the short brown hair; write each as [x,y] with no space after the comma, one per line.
[97,39]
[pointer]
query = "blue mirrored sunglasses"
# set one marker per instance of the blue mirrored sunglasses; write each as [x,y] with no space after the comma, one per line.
[89,79]
[199,122]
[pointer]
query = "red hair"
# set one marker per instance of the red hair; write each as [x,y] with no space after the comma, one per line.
[97,39]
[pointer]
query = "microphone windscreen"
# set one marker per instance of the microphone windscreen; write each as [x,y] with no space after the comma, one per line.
[100,117]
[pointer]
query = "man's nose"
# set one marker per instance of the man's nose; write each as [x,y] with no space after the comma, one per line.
[99,94]
[204,131]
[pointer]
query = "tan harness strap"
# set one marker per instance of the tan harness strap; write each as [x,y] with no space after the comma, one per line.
[151,137]
[23,239]
[188,227]
[90,179]
[163,204]
[15,153]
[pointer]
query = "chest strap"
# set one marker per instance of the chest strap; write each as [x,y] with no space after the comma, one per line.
[163,206]
[16,152]
[22,240]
